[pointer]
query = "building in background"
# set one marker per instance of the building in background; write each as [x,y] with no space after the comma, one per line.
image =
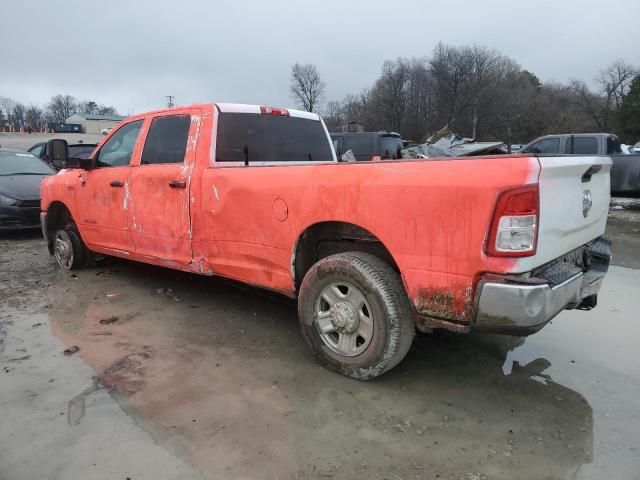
[94,123]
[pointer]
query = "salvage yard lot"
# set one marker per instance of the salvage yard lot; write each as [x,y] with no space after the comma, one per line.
[181,376]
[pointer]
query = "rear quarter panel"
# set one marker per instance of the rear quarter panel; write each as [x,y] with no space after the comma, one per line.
[431,215]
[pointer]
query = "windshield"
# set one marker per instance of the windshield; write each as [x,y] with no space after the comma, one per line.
[80,151]
[391,147]
[22,163]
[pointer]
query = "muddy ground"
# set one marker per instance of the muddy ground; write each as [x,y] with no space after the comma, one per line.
[179,376]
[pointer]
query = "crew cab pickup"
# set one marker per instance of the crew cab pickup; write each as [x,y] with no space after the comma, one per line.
[370,249]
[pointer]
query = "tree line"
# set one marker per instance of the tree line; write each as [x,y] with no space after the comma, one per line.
[60,107]
[478,92]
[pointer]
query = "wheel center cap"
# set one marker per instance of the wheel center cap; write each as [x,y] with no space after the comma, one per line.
[63,249]
[344,317]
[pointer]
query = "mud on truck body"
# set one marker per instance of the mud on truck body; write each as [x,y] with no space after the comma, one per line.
[369,249]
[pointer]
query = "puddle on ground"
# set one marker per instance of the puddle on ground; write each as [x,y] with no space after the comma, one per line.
[220,376]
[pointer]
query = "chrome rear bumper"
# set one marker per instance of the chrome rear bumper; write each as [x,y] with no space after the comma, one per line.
[504,304]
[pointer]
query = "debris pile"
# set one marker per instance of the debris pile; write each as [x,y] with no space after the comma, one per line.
[446,143]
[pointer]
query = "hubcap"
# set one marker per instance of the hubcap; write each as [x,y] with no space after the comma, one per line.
[344,319]
[63,249]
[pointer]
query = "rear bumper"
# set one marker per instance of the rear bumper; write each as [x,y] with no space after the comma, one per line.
[524,306]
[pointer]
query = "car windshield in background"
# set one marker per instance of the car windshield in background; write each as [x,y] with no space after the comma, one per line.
[270,138]
[80,151]
[22,163]
[391,147]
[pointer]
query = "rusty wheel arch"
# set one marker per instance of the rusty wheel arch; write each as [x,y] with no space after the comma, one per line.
[327,238]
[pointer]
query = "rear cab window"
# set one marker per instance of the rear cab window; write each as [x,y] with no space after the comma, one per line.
[581,145]
[262,139]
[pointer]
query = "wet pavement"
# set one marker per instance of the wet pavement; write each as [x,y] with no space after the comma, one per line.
[181,376]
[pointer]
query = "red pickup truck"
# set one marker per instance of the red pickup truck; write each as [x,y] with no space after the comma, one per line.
[370,249]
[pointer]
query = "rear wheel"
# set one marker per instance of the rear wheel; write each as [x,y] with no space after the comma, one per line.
[355,314]
[69,249]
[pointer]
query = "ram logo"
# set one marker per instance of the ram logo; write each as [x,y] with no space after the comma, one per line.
[587,202]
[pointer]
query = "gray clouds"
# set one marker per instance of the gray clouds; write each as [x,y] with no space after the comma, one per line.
[131,53]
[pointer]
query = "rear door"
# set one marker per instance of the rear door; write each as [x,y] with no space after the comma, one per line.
[158,188]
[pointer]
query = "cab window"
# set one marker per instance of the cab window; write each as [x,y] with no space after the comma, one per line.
[167,140]
[118,149]
[547,145]
[582,146]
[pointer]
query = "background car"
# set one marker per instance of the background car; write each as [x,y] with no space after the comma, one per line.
[76,150]
[20,177]
[365,145]
[106,131]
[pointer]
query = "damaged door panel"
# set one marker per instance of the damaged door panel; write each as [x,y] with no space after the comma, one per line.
[158,192]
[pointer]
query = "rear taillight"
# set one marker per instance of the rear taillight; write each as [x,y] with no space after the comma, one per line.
[280,112]
[514,226]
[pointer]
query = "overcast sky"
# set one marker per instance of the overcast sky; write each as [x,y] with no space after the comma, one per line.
[130,54]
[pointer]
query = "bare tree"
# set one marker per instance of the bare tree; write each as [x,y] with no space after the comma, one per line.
[7,105]
[17,115]
[389,93]
[307,88]
[332,114]
[614,82]
[87,107]
[61,107]
[596,107]
[34,116]
[451,67]
[106,110]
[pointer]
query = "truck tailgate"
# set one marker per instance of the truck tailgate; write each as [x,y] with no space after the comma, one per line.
[574,203]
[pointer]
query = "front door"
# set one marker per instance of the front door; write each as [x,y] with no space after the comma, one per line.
[102,194]
[159,189]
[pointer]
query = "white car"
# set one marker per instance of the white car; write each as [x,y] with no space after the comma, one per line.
[105,131]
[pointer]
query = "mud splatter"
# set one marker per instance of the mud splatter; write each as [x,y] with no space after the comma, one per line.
[452,303]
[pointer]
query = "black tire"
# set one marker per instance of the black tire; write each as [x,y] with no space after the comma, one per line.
[392,316]
[74,254]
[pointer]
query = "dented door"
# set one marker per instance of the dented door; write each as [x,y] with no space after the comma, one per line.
[159,187]
[101,192]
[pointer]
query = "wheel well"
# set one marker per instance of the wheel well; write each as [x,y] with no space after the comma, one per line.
[328,238]
[58,215]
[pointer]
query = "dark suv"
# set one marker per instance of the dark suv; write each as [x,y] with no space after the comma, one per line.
[365,145]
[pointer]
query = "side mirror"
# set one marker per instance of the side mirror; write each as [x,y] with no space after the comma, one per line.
[58,152]
[58,155]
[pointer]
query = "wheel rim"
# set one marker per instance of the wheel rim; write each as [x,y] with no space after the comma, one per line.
[63,250]
[344,319]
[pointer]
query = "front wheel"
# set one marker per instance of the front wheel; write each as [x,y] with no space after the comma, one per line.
[355,314]
[69,249]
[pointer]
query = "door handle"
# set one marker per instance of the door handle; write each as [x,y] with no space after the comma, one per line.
[177,184]
[117,183]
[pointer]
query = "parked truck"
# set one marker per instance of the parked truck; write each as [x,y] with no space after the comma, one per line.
[369,249]
[625,169]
